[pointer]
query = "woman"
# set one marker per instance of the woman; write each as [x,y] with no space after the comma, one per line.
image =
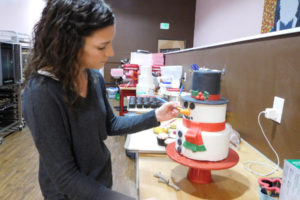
[65,104]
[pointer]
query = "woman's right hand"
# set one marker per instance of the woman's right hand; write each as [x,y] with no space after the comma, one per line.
[167,111]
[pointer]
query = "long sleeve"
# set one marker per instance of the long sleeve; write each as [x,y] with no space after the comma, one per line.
[53,140]
[117,125]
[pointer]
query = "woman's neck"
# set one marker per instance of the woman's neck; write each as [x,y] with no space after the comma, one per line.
[82,83]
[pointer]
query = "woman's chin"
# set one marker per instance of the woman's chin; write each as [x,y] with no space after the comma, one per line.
[100,66]
[96,67]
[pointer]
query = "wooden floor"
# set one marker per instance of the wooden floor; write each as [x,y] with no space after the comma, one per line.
[19,167]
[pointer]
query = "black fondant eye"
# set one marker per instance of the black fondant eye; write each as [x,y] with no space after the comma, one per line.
[179,149]
[179,141]
[192,106]
[186,104]
[179,133]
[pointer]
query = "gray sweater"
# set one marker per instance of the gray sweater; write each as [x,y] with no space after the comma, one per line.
[74,161]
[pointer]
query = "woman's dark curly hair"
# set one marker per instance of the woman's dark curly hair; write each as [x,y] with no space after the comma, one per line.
[59,35]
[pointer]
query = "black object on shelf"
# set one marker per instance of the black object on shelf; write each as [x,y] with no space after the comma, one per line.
[139,102]
[132,102]
[147,104]
[143,102]
[139,105]
[154,104]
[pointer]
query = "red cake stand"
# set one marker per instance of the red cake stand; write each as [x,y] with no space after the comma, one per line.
[200,171]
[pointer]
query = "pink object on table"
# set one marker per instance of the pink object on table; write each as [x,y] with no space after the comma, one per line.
[270,184]
[116,72]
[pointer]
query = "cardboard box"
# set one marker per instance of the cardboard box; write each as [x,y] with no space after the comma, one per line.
[290,188]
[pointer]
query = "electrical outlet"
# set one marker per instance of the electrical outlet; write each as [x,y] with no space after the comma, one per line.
[278,105]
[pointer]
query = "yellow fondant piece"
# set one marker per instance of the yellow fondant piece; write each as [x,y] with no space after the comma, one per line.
[159,129]
[173,126]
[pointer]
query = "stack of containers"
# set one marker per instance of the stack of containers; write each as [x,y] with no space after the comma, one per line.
[145,86]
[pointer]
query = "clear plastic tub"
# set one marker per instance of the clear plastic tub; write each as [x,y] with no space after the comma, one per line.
[172,71]
[111,92]
[172,74]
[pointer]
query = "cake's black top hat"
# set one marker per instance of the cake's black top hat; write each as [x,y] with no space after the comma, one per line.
[207,80]
[206,87]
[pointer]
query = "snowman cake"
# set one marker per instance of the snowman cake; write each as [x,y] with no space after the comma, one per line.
[204,134]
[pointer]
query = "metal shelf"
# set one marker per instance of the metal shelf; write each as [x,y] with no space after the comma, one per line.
[12,36]
[14,91]
[10,105]
[14,107]
[15,126]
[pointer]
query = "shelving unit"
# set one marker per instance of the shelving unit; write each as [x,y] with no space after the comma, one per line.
[11,119]
[12,36]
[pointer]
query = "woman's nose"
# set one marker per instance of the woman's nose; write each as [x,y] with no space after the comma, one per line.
[109,51]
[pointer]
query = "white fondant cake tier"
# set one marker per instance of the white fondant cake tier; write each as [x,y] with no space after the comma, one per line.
[205,113]
[216,144]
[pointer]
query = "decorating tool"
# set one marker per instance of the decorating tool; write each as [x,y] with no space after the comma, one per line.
[195,67]
[181,110]
[181,89]
[168,123]
[163,179]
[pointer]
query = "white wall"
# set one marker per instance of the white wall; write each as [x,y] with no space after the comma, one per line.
[223,20]
[20,15]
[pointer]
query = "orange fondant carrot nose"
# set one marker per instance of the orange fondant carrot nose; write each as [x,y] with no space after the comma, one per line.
[184,111]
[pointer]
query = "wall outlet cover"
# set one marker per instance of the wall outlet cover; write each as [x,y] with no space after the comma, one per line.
[278,105]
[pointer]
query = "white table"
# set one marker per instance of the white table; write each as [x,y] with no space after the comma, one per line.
[143,142]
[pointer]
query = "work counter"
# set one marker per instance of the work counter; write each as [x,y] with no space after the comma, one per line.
[232,183]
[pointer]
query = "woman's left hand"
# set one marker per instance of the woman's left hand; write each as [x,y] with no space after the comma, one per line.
[167,111]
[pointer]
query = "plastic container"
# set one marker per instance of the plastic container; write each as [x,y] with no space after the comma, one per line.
[111,92]
[174,71]
[166,84]
[172,74]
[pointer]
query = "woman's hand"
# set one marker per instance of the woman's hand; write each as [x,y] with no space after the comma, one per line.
[167,111]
